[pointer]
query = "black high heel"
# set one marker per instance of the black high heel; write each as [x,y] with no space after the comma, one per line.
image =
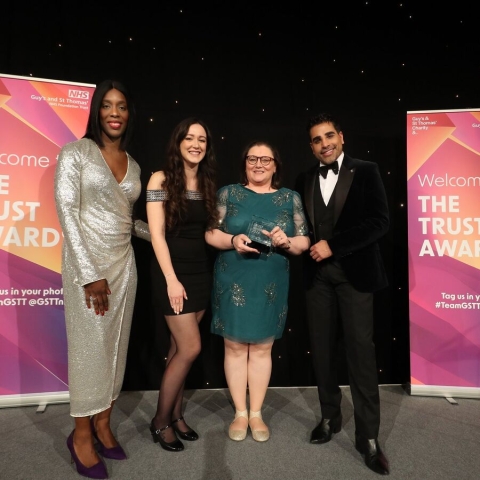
[175,446]
[190,435]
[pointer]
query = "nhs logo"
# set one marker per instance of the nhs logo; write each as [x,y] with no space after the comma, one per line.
[84,95]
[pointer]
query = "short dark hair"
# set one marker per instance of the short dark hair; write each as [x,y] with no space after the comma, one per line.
[323,118]
[94,130]
[277,176]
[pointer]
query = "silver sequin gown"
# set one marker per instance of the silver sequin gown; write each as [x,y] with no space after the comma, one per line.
[95,213]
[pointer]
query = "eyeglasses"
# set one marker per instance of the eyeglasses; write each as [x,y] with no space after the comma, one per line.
[253,159]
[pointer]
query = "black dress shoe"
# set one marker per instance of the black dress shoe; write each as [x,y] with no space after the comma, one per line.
[190,435]
[374,458]
[175,446]
[324,431]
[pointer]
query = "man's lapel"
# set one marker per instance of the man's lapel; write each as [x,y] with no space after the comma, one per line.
[345,179]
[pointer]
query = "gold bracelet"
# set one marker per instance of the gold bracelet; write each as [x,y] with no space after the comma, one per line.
[289,245]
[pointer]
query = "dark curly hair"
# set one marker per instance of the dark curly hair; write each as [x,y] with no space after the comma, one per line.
[94,130]
[175,182]
[277,176]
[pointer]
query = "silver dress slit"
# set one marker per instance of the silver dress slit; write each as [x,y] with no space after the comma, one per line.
[95,213]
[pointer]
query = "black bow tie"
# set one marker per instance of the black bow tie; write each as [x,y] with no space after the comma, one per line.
[323,169]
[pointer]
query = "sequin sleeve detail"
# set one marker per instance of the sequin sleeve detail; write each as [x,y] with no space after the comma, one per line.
[67,193]
[157,195]
[141,230]
[222,197]
[299,219]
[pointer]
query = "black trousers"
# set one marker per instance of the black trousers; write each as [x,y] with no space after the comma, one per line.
[332,299]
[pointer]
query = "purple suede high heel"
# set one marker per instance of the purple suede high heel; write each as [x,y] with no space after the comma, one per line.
[114,453]
[98,470]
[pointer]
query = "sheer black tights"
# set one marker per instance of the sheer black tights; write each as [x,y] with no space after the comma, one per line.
[184,348]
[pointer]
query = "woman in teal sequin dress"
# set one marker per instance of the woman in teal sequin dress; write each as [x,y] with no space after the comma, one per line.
[250,293]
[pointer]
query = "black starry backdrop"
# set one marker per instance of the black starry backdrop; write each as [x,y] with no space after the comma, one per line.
[259,70]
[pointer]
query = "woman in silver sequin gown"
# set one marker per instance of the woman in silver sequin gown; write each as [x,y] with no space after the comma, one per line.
[250,293]
[96,185]
[180,207]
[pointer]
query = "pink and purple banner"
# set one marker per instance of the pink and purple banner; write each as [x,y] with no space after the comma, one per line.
[443,170]
[37,117]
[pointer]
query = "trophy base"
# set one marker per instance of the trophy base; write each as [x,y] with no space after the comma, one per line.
[261,247]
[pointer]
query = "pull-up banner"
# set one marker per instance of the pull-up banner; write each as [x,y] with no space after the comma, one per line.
[37,117]
[443,161]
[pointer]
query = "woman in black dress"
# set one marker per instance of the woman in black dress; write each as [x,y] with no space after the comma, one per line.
[181,205]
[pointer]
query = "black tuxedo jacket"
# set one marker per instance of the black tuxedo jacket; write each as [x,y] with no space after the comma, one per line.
[361,218]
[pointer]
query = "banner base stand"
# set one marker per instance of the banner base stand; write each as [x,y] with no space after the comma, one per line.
[447,392]
[31,399]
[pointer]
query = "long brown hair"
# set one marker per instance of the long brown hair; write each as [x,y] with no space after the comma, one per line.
[175,182]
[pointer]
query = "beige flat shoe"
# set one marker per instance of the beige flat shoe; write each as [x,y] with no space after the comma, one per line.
[259,435]
[237,434]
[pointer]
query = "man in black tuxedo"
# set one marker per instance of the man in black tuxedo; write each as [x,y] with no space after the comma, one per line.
[345,201]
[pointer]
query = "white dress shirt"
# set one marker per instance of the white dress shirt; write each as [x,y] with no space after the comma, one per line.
[327,185]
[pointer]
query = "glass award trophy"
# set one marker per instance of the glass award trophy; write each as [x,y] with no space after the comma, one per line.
[259,240]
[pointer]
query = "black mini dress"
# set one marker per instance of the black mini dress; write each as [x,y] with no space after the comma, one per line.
[190,255]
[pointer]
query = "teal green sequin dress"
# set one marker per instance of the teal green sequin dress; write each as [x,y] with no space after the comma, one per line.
[250,292]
